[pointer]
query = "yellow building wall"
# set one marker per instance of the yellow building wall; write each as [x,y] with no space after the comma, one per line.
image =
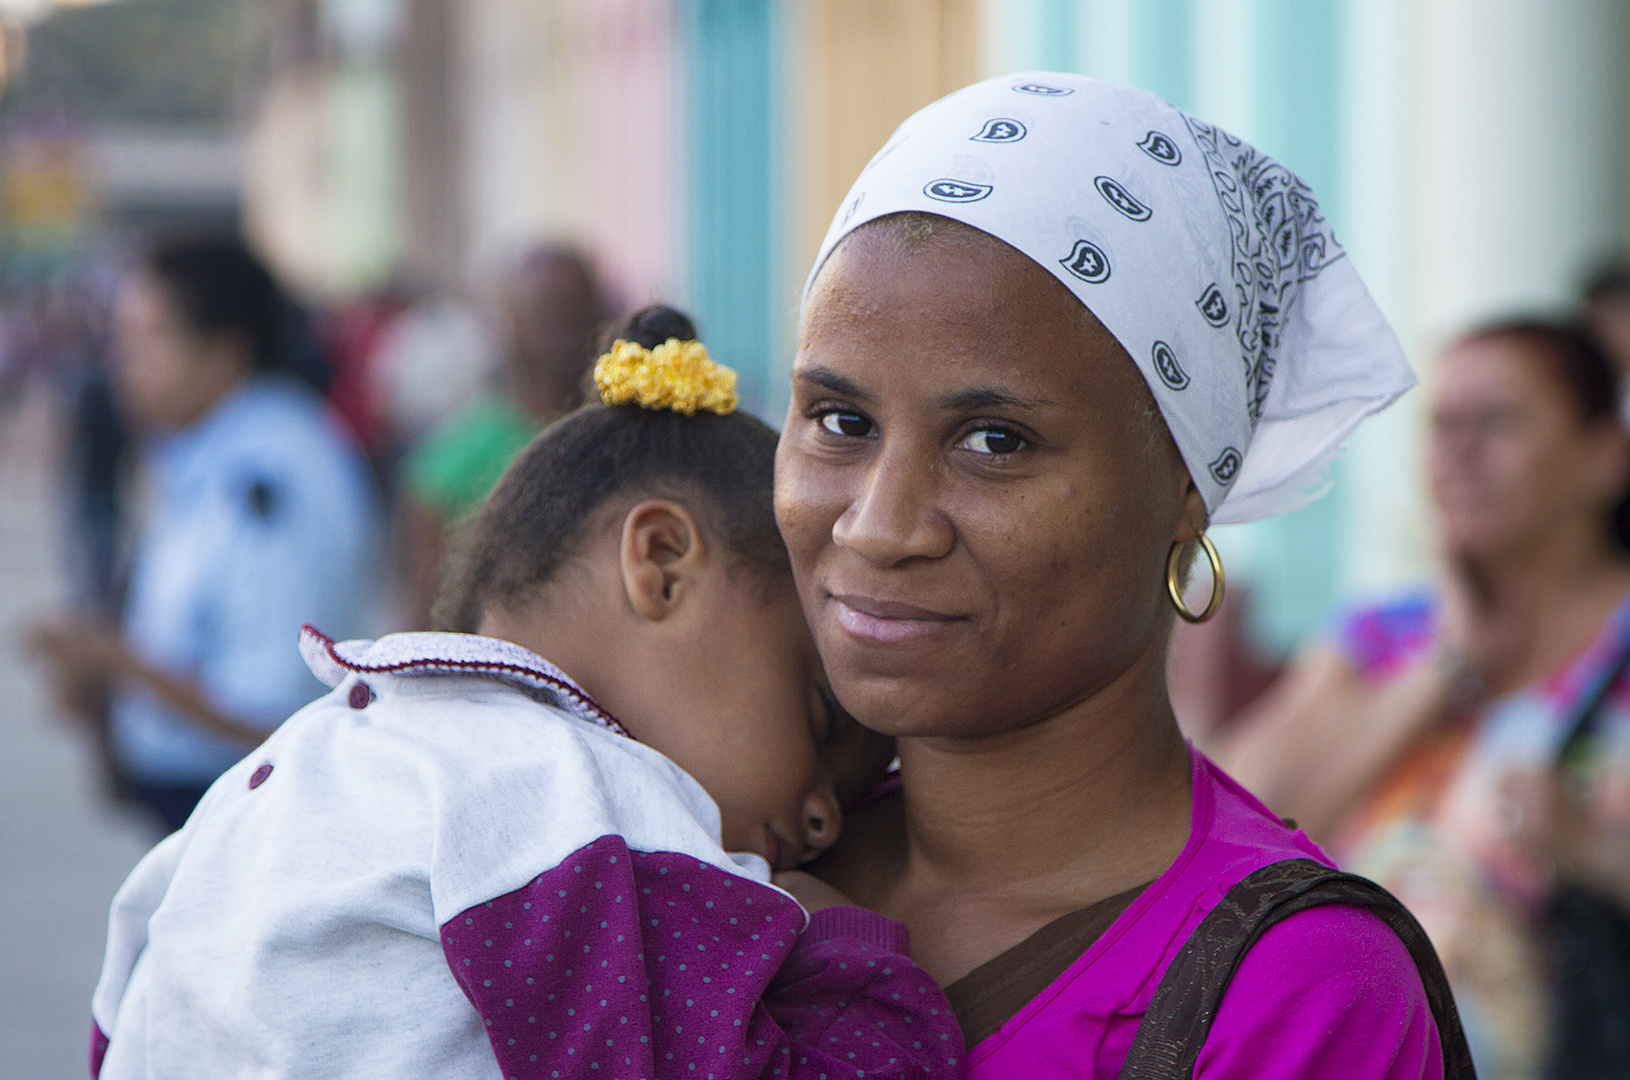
[859,68]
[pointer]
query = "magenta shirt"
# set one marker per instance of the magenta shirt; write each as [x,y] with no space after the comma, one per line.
[1329,992]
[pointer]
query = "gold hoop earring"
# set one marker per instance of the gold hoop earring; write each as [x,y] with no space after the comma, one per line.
[1175,591]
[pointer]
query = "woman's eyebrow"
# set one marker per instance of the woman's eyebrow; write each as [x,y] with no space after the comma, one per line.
[984,397]
[831,380]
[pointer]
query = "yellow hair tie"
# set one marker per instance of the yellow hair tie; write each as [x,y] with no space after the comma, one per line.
[677,375]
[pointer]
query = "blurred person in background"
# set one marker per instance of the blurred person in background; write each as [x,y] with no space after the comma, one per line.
[429,360]
[1429,740]
[354,333]
[64,325]
[97,467]
[1607,308]
[552,307]
[262,518]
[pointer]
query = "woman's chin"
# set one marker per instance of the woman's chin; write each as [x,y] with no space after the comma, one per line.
[908,705]
[896,668]
[1479,540]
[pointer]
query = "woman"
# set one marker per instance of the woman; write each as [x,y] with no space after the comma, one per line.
[1422,737]
[1056,329]
[262,519]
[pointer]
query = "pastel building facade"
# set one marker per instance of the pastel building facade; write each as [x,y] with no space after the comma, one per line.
[1470,153]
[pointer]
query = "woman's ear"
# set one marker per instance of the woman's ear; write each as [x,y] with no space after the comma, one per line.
[1193,518]
[662,557]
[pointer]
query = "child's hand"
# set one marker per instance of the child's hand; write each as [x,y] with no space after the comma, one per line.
[811,892]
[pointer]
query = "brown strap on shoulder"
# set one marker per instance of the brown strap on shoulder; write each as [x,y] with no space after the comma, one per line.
[1180,1013]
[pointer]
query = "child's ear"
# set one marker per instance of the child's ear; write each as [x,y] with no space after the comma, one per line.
[662,556]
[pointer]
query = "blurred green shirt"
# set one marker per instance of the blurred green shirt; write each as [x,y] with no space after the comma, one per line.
[458,461]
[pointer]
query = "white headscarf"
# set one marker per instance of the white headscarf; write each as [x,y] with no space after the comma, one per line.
[1210,263]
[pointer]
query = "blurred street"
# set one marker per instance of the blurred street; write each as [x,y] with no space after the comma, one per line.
[64,848]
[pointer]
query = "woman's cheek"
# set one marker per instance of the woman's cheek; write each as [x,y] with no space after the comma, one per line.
[806,510]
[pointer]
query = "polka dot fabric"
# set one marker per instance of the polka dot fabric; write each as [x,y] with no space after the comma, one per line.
[624,965]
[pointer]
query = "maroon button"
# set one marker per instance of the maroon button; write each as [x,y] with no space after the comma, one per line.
[361,695]
[258,777]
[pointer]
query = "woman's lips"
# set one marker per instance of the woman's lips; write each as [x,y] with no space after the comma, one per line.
[887,622]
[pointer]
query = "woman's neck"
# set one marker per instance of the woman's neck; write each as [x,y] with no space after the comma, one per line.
[1057,815]
[1553,593]
[1571,558]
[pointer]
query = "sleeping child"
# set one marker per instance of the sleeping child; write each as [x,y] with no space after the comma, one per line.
[470,861]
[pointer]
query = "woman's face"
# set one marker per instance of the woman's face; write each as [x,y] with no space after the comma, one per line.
[1509,460]
[975,488]
[167,374]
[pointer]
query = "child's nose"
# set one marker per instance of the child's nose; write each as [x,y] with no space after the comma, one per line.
[822,821]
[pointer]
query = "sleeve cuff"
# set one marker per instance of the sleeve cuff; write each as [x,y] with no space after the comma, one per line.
[859,924]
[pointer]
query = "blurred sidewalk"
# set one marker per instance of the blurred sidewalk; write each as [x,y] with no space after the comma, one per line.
[64,849]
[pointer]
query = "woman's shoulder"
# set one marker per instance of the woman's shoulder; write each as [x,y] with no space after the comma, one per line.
[279,411]
[1240,833]
[1328,992]
[1313,992]
[283,434]
[1572,683]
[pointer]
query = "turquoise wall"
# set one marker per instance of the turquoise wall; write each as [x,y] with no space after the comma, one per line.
[1055,28]
[1160,49]
[1297,113]
[1293,564]
[731,51]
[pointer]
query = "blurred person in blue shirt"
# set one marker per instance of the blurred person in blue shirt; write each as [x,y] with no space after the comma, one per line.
[262,517]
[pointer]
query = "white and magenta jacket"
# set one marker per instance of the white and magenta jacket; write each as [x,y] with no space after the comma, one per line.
[457,865]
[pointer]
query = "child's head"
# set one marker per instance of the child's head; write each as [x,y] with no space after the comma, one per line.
[637,549]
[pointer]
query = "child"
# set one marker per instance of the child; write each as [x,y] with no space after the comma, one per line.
[462,852]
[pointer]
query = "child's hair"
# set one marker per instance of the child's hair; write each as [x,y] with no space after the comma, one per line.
[721,467]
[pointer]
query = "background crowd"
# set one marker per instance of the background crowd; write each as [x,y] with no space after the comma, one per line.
[284,286]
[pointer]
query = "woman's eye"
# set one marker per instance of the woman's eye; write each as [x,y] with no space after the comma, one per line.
[993,441]
[850,425]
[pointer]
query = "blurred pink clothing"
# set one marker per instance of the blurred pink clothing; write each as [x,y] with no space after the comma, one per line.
[1329,992]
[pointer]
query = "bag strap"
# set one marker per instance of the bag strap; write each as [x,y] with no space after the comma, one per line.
[1180,1013]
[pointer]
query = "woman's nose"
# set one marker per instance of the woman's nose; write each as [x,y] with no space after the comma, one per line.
[893,518]
[823,820]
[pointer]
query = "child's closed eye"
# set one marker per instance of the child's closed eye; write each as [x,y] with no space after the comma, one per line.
[836,719]
[856,757]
